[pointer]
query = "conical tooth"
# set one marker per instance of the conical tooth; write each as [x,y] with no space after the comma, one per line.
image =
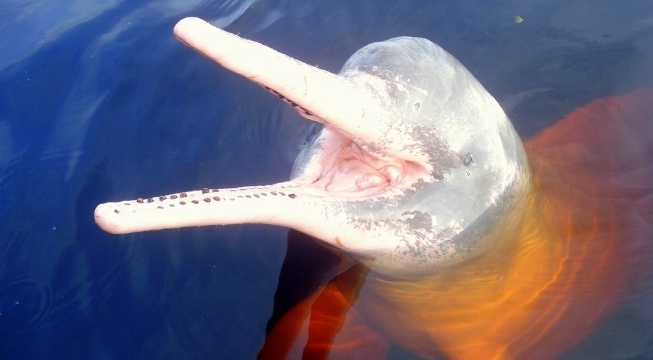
[333,100]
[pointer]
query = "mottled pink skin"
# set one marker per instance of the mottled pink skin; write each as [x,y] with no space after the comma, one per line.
[413,151]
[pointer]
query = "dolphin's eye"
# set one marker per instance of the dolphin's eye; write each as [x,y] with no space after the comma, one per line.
[467,160]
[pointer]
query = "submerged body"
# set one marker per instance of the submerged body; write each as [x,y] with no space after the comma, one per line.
[562,264]
[419,177]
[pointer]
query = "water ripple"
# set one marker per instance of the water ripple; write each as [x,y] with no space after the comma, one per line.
[25,303]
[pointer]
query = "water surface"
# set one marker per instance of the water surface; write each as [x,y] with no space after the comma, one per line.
[99,102]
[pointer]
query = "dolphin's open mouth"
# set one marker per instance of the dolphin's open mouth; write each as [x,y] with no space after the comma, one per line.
[348,174]
[352,173]
[344,170]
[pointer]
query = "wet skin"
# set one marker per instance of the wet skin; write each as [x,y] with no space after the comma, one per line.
[412,170]
[420,181]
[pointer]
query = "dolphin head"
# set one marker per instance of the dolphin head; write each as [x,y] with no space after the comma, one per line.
[413,169]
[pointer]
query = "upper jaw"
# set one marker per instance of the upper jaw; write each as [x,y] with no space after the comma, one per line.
[358,107]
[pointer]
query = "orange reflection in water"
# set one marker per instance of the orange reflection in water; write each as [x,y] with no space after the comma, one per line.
[559,268]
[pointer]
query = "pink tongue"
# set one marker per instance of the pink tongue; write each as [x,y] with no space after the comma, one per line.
[353,176]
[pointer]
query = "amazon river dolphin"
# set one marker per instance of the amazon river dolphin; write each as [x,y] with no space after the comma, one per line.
[412,171]
[462,249]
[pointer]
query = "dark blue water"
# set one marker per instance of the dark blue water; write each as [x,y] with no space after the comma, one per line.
[99,102]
